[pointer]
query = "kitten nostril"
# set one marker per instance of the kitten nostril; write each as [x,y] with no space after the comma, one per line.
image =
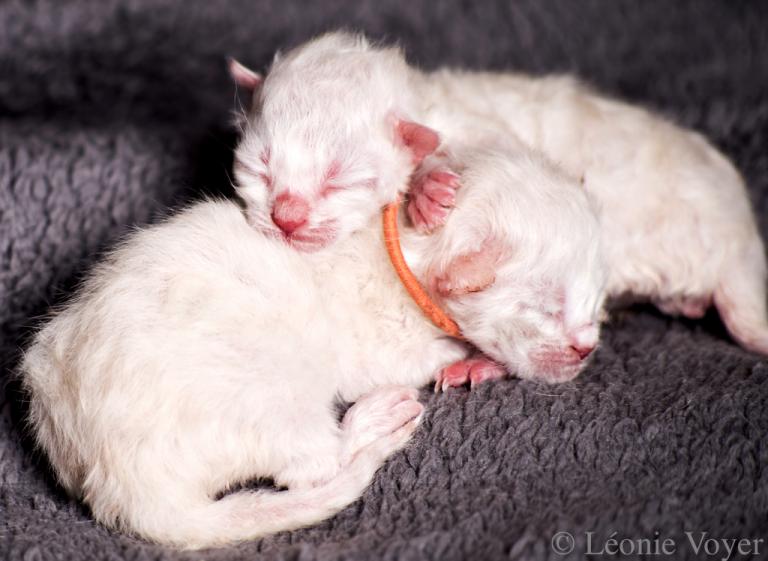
[583,350]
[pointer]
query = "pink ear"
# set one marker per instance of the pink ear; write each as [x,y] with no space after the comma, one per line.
[244,77]
[420,140]
[470,272]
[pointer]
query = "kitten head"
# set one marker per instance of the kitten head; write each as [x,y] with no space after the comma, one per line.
[520,267]
[327,141]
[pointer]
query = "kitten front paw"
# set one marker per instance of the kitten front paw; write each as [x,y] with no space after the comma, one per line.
[432,195]
[473,370]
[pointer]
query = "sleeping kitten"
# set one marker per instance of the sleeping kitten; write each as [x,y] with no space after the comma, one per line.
[330,139]
[203,353]
[676,221]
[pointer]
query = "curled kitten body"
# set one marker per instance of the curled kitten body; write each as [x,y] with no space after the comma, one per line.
[203,353]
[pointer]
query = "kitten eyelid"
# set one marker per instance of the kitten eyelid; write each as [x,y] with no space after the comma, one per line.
[254,172]
[267,179]
[369,183]
[332,187]
[556,314]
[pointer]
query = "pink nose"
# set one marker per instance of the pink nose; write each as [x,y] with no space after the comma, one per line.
[583,350]
[290,212]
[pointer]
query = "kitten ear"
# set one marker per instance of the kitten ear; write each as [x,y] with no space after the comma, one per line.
[420,140]
[470,272]
[243,76]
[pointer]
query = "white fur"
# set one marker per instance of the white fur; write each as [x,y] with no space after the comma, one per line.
[677,226]
[202,354]
[310,120]
[371,84]
[549,284]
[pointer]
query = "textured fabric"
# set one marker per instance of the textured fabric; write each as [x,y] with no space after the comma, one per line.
[113,110]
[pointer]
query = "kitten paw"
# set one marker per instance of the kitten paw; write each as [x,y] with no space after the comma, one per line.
[431,197]
[380,414]
[379,450]
[472,370]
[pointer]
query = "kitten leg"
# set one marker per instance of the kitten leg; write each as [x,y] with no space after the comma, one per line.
[321,448]
[312,446]
[432,195]
[740,297]
[246,514]
[474,370]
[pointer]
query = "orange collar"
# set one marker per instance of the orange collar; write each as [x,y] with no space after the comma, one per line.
[410,282]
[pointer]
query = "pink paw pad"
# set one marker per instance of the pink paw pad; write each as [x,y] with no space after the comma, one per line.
[472,370]
[431,198]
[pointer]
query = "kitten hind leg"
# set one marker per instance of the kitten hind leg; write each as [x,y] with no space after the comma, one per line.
[740,298]
[376,415]
[321,448]
[313,443]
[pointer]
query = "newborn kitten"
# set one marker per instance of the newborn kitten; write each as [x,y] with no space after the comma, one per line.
[202,353]
[677,225]
[333,134]
[330,139]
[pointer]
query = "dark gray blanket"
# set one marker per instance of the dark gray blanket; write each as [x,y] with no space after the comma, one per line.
[113,111]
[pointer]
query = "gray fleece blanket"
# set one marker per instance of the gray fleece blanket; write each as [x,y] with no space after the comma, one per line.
[114,111]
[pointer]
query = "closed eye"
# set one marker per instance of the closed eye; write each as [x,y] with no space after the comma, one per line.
[241,167]
[553,313]
[333,188]
[329,190]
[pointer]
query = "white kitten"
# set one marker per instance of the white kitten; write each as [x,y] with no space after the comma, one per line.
[676,220]
[203,353]
[329,141]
